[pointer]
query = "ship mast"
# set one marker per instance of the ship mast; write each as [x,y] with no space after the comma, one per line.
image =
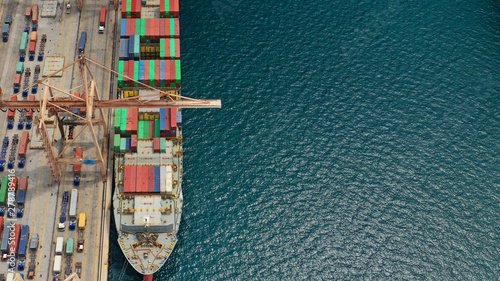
[55,101]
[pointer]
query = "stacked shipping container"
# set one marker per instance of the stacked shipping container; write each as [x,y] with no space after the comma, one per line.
[148,179]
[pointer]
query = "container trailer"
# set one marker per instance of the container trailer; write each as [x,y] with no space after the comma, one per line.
[59,245]
[83,41]
[57,264]
[34,242]
[77,168]
[70,247]
[34,14]
[72,209]
[23,242]
[102,19]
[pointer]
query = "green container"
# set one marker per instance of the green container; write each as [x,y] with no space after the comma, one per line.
[3,190]
[172,48]
[172,27]
[123,145]
[20,67]
[143,2]
[129,7]
[146,130]
[117,143]
[157,128]
[163,145]
[162,48]
[24,43]
[151,73]
[123,124]
[143,29]
[118,119]
[136,73]
[69,247]
[137,45]
[137,26]
[121,67]
[177,71]
[140,130]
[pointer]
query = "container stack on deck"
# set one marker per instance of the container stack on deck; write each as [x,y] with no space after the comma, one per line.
[150,54]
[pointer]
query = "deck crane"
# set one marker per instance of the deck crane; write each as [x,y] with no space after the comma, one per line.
[55,101]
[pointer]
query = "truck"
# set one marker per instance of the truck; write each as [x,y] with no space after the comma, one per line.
[80,241]
[31,271]
[34,14]
[102,19]
[70,247]
[23,146]
[78,269]
[12,112]
[77,168]
[72,209]
[57,264]
[34,242]
[83,41]
[68,7]
[82,218]
[5,33]
[59,245]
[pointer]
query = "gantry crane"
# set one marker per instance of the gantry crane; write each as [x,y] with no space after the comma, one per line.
[56,100]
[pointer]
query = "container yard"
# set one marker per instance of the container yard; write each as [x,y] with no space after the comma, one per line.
[61,145]
[39,39]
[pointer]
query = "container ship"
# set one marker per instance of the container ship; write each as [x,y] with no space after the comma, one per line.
[148,157]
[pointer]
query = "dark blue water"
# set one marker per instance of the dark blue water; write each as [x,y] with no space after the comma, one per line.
[357,140]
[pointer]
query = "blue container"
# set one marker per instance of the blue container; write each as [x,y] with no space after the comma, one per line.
[123,31]
[124,47]
[23,242]
[163,125]
[21,195]
[128,143]
[141,71]
[162,72]
[6,29]
[83,41]
[157,179]
[131,47]
[179,118]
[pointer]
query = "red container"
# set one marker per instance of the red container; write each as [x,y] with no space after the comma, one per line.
[17,80]
[126,179]
[168,129]
[23,145]
[136,8]
[28,13]
[138,179]
[173,118]
[151,179]
[146,72]
[148,29]
[174,7]
[77,168]
[131,72]
[135,120]
[161,28]
[12,112]
[125,72]
[144,177]
[133,178]
[17,234]
[157,73]
[102,19]
[151,129]
[133,142]
[124,9]
[157,30]
[129,123]
[32,47]
[177,48]
[34,14]
[177,29]
[156,145]
[23,183]
[14,184]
